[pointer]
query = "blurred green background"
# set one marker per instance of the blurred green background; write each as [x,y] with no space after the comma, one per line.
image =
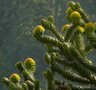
[17,20]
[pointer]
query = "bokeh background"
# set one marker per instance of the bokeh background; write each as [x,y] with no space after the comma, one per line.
[17,20]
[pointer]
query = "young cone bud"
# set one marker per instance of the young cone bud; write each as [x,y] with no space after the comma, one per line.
[77,6]
[65,27]
[89,27]
[6,81]
[15,78]
[75,17]
[80,29]
[38,30]
[72,5]
[30,64]
[51,19]
[69,11]
[45,24]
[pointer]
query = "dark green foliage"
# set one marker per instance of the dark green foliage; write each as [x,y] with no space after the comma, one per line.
[71,51]
[66,55]
[14,83]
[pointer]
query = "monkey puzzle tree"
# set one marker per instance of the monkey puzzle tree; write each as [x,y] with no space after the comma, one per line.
[66,54]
